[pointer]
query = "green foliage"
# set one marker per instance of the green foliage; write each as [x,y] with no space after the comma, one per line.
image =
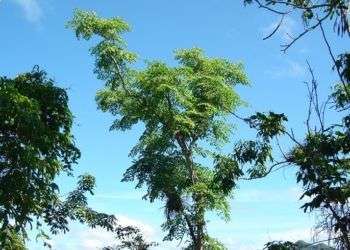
[87,24]
[340,96]
[36,145]
[111,50]
[343,64]
[324,169]
[11,240]
[133,240]
[279,245]
[257,154]
[75,207]
[182,108]
[209,244]
[268,126]
[324,165]
[227,171]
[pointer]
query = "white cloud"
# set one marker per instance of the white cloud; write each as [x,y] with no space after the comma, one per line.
[291,235]
[97,238]
[32,10]
[146,229]
[295,69]
[291,69]
[268,195]
[93,239]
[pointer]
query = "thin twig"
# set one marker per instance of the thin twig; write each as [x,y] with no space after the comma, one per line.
[281,150]
[275,29]
[292,137]
[239,117]
[271,169]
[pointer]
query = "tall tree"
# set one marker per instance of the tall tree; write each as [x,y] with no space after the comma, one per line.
[184,110]
[36,145]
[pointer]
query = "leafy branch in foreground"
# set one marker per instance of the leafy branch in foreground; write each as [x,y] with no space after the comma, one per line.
[36,145]
[322,157]
[322,161]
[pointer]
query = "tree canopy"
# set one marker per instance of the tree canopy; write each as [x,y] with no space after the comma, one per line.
[184,110]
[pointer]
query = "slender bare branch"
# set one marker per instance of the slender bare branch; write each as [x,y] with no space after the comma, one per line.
[298,6]
[315,99]
[275,29]
[281,150]
[273,168]
[292,137]
[309,111]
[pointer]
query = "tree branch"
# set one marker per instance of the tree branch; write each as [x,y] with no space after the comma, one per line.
[269,8]
[319,22]
[334,60]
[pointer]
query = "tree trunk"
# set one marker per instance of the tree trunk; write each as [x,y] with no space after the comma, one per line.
[197,227]
[199,245]
[199,242]
[345,239]
[200,223]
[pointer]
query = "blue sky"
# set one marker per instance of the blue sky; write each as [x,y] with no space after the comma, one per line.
[33,33]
